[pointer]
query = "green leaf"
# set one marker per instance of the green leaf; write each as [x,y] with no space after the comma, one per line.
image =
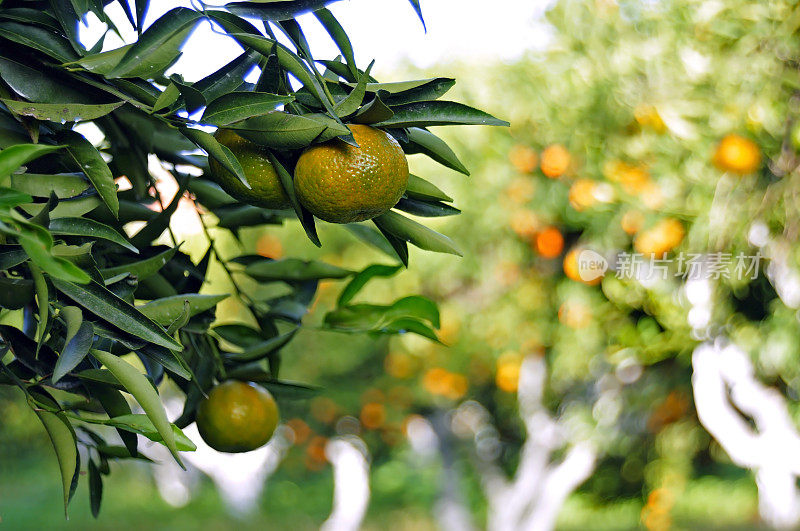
[15,156]
[339,36]
[409,314]
[102,302]
[237,106]
[168,32]
[144,393]
[275,10]
[361,279]
[293,269]
[38,244]
[10,198]
[217,151]
[92,164]
[418,11]
[428,113]
[415,233]
[373,112]
[228,78]
[160,223]
[289,390]
[262,349]
[95,489]
[38,38]
[419,188]
[372,237]
[305,217]
[73,317]
[144,425]
[352,102]
[422,141]
[62,436]
[61,112]
[114,405]
[166,310]
[77,348]
[426,208]
[238,334]
[64,185]
[42,85]
[288,59]
[193,99]
[169,96]
[42,301]
[90,229]
[15,293]
[281,130]
[143,268]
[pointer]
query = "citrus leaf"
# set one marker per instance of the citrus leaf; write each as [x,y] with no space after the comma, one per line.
[217,151]
[262,349]
[377,239]
[361,279]
[76,349]
[11,158]
[64,185]
[102,302]
[339,36]
[415,233]
[419,188]
[228,78]
[142,268]
[352,102]
[428,113]
[38,38]
[426,209]
[95,489]
[90,229]
[143,425]
[275,10]
[281,130]
[42,301]
[38,244]
[61,112]
[294,269]
[236,106]
[114,405]
[166,310]
[168,32]
[425,142]
[144,393]
[91,162]
[62,436]
[305,217]
[373,112]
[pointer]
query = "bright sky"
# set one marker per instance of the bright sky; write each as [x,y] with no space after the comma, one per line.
[387,30]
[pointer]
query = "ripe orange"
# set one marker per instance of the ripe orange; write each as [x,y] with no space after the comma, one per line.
[373,415]
[524,223]
[660,238]
[647,116]
[340,183]
[573,272]
[523,158]
[265,189]
[581,194]
[507,375]
[549,242]
[556,161]
[632,221]
[737,154]
[237,417]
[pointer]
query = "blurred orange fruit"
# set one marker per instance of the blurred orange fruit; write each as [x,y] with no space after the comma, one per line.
[581,194]
[435,381]
[521,190]
[633,179]
[549,242]
[575,314]
[457,385]
[737,154]
[573,272]
[507,375]
[315,453]
[525,223]
[556,161]
[523,158]
[324,409]
[300,429]
[661,238]
[270,246]
[373,415]
[398,365]
[632,221]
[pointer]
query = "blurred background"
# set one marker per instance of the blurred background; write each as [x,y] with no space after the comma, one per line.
[663,398]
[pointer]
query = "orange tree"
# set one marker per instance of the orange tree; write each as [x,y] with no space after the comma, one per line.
[81,297]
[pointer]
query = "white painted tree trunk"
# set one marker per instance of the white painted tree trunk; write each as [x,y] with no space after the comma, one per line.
[532,499]
[726,388]
[349,458]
